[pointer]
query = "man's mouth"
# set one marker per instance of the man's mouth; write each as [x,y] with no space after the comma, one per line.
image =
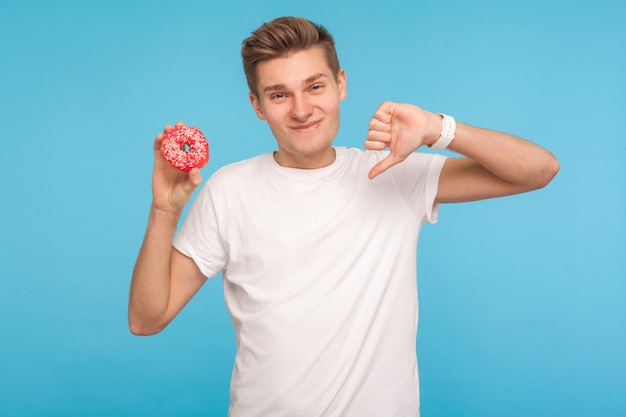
[306,126]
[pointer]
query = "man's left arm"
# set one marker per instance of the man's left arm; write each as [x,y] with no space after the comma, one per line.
[495,164]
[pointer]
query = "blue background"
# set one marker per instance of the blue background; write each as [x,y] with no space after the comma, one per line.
[522,299]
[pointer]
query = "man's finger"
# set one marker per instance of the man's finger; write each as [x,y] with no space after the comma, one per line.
[377,136]
[384,112]
[195,178]
[374,145]
[157,142]
[377,124]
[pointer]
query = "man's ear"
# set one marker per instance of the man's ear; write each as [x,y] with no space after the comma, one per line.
[256,105]
[341,82]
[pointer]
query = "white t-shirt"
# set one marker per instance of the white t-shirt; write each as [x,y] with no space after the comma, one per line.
[319,272]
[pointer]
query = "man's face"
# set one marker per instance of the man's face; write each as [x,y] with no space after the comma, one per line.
[299,98]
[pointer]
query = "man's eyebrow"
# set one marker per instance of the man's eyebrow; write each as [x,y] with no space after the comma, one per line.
[314,78]
[275,87]
[280,87]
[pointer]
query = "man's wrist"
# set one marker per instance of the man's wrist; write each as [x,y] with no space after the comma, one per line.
[448,132]
[164,215]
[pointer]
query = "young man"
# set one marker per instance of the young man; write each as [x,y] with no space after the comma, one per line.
[317,243]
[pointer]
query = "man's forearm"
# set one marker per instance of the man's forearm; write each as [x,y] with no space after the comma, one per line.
[150,285]
[508,157]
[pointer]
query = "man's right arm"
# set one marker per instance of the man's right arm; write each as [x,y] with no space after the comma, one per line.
[164,279]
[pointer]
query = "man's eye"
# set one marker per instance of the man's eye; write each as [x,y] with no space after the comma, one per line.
[316,87]
[277,96]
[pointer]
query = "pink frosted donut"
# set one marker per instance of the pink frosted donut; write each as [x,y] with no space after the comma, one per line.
[185,147]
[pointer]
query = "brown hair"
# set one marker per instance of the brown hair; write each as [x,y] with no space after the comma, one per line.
[281,37]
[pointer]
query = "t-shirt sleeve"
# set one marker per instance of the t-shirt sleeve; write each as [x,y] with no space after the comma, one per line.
[431,187]
[199,237]
[418,179]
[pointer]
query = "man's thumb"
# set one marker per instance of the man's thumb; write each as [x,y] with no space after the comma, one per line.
[383,166]
[195,178]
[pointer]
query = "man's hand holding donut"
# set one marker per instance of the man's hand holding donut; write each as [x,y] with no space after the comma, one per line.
[171,188]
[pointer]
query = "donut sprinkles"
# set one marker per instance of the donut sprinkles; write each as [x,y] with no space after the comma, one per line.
[185,148]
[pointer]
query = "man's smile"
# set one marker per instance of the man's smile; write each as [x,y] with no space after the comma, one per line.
[306,127]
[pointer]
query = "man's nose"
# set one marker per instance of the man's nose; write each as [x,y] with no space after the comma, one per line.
[301,109]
